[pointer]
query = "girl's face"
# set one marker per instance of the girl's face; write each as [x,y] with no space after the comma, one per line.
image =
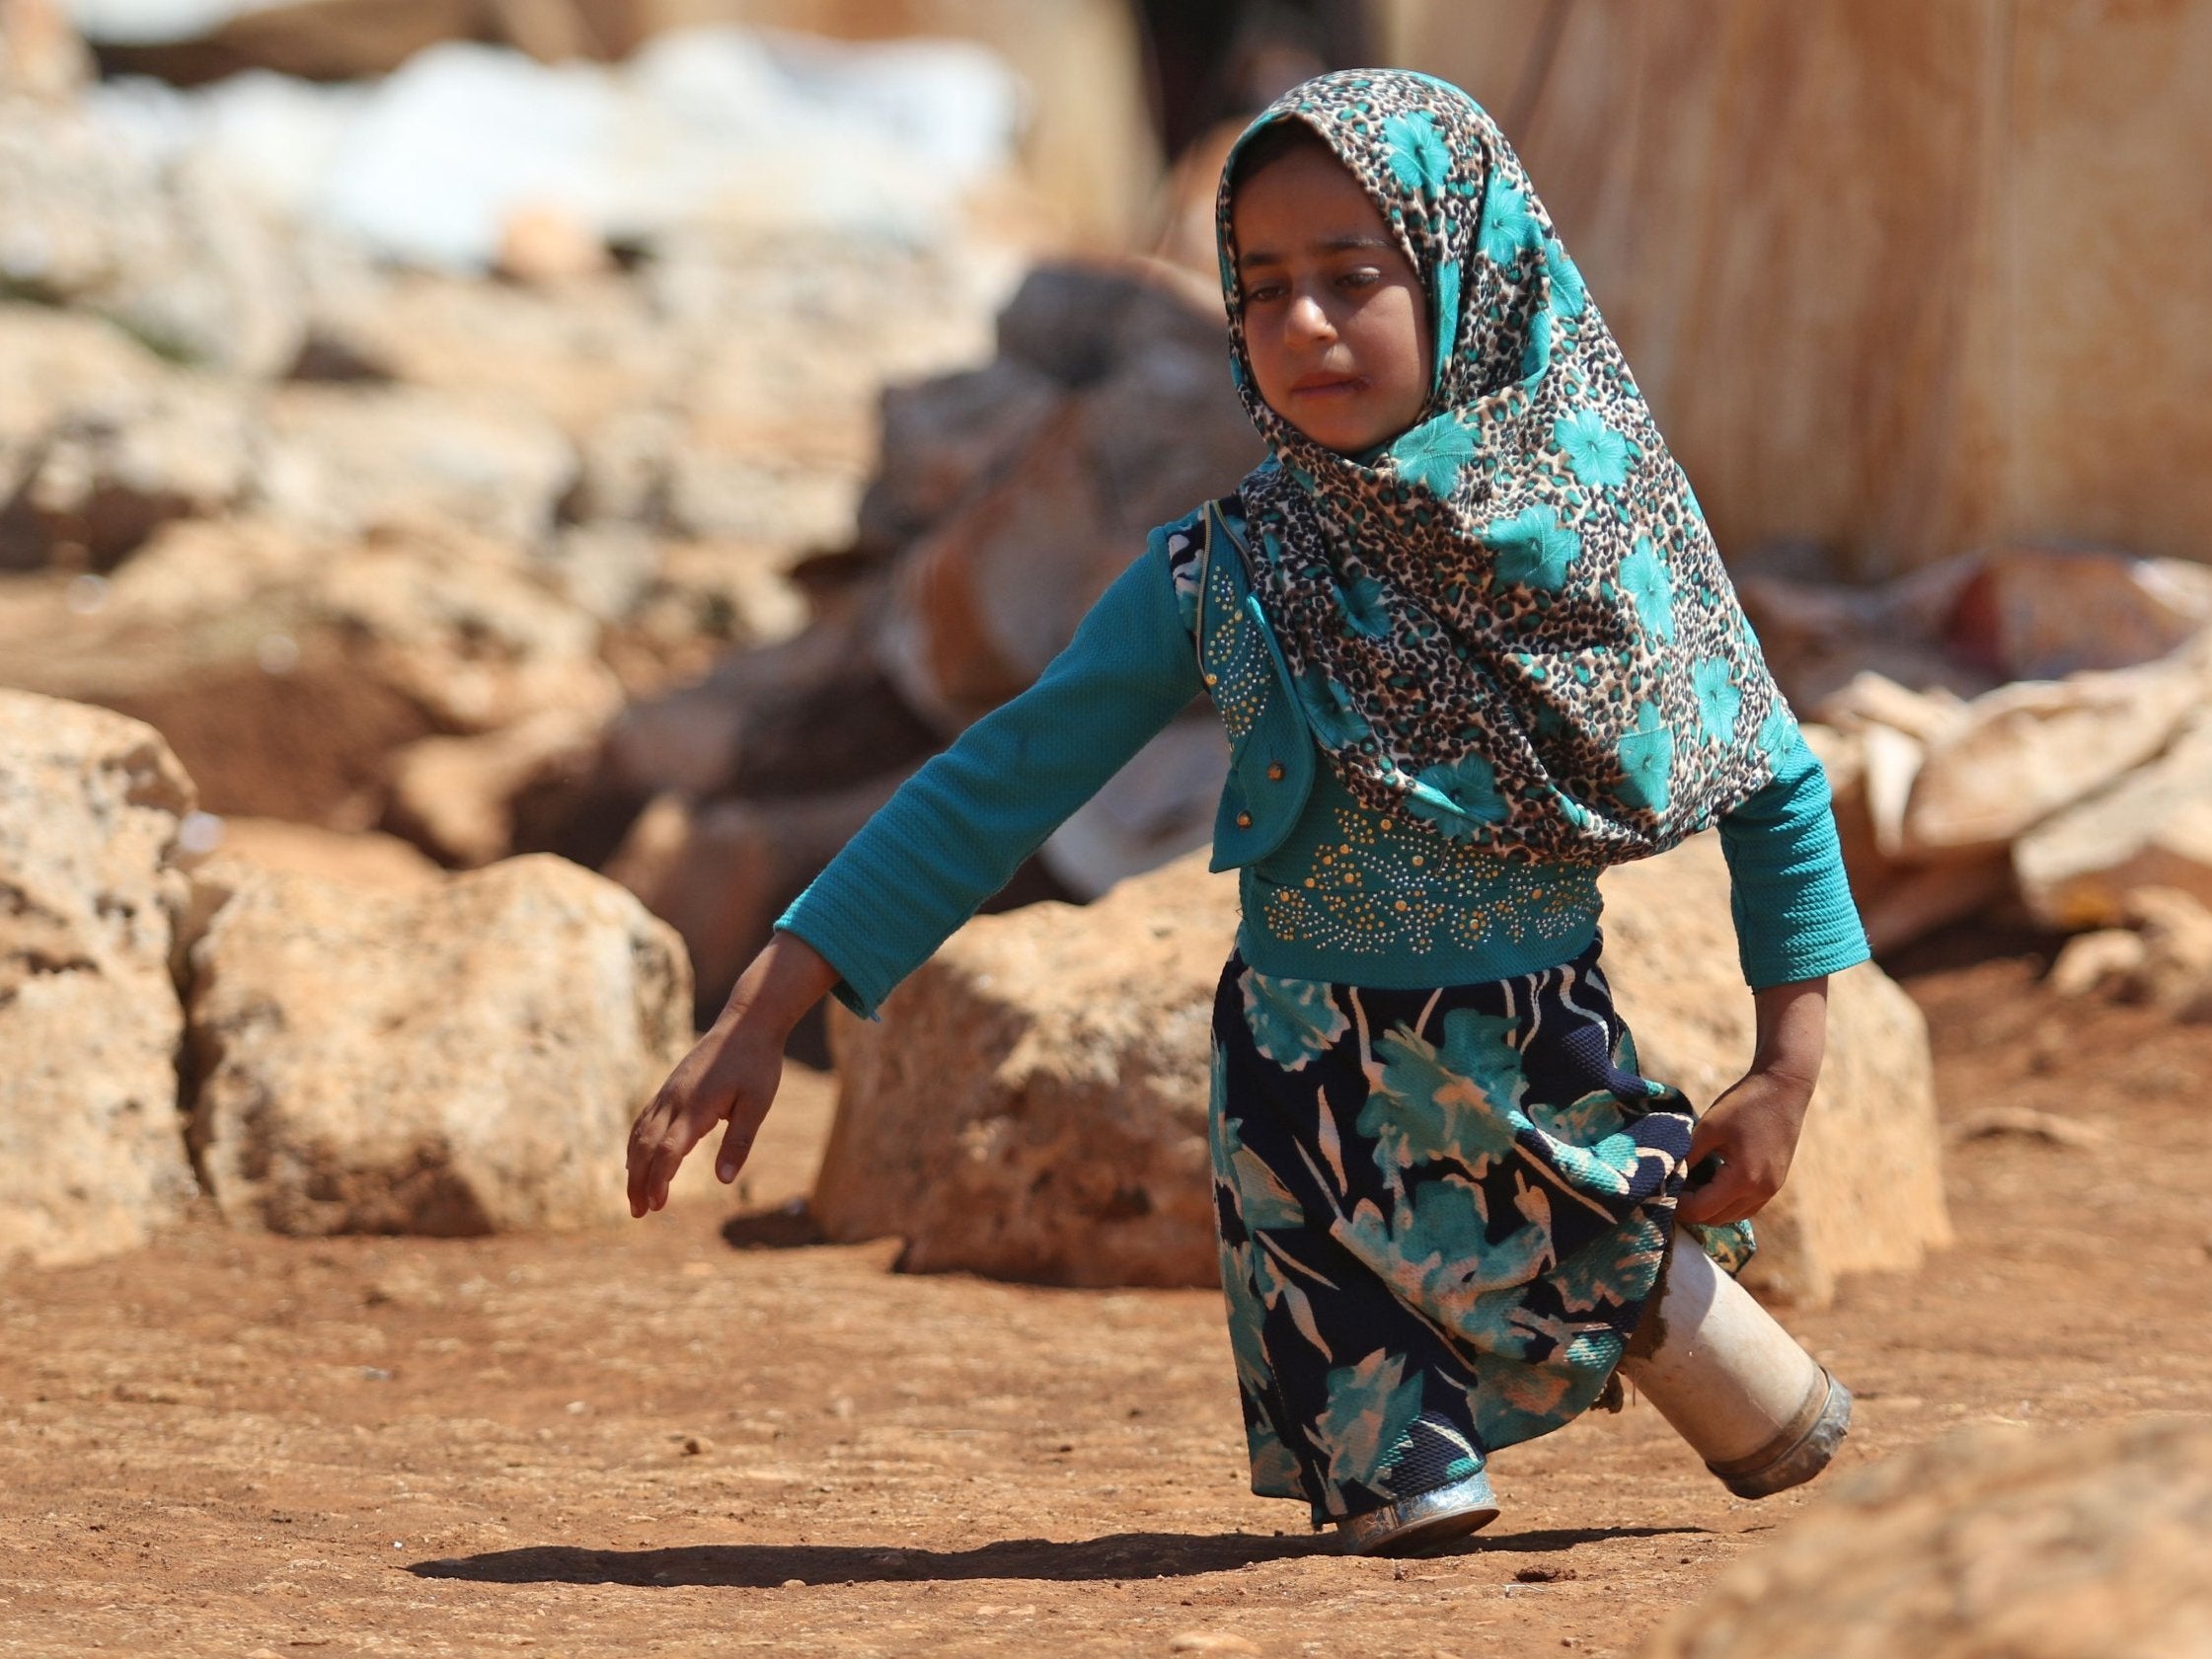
[1336,322]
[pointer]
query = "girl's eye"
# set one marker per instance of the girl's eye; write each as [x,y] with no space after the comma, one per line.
[1260,293]
[1356,279]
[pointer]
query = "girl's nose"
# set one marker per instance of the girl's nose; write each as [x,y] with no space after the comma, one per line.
[1307,321]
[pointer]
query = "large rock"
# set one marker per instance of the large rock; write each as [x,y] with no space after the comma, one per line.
[346,459]
[2151,829]
[92,1150]
[172,251]
[462,1059]
[1032,1102]
[1990,1543]
[1865,1191]
[285,670]
[102,442]
[467,630]
[2022,752]
[455,795]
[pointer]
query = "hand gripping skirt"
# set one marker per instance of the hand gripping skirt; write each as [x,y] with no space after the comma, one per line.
[1441,1212]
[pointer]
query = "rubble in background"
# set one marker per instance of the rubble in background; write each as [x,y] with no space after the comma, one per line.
[372,544]
[1008,497]
[463,147]
[2020,728]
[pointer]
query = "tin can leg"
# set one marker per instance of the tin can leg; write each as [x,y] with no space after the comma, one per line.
[1762,1412]
[1416,1526]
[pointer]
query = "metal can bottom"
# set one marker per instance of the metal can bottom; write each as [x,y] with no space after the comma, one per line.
[1424,1521]
[1800,1452]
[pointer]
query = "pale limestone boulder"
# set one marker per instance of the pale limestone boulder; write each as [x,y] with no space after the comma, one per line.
[2022,752]
[2151,829]
[2108,958]
[464,1058]
[2175,973]
[455,795]
[1989,1543]
[1865,1191]
[343,460]
[361,858]
[466,629]
[92,1149]
[285,670]
[102,442]
[1033,1104]
[172,250]
[549,246]
[994,589]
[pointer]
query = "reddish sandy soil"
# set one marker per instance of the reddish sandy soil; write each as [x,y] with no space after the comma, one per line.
[655,1442]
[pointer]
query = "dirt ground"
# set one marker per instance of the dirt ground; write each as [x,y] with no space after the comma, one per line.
[704,1434]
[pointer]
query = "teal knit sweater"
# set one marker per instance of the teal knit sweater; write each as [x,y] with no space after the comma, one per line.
[1349,895]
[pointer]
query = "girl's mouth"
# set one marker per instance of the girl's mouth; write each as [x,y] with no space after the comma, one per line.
[1327,386]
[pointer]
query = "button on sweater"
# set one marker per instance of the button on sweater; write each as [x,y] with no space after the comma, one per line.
[1349,895]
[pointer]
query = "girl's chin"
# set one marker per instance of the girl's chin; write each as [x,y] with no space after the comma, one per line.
[1358,443]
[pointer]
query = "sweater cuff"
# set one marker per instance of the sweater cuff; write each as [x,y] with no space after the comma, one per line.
[861,986]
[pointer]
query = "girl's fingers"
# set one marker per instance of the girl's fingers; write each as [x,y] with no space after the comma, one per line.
[737,1146]
[1728,1196]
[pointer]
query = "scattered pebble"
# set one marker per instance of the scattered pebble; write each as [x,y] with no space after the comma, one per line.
[795,1584]
[375,1373]
[199,833]
[277,653]
[1211,1641]
[1544,1576]
[2026,1121]
[696,1445]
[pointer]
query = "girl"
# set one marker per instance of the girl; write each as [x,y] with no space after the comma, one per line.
[1472,642]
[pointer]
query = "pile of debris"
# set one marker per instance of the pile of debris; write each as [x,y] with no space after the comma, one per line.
[376,545]
[2022,729]
[1007,498]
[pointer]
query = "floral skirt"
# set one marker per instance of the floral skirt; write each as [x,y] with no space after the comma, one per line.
[1441,1212]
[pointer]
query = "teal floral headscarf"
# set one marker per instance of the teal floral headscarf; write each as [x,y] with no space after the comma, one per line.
[1511,624]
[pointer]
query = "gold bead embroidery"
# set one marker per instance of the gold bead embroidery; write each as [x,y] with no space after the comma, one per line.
[1380,896]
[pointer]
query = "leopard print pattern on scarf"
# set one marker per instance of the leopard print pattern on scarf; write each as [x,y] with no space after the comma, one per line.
[1512,622]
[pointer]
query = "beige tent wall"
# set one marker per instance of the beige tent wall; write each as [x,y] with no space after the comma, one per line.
[1902,277]
[1089,148]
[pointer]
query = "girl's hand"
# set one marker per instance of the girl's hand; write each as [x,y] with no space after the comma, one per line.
[1753,1128]
[731,1075]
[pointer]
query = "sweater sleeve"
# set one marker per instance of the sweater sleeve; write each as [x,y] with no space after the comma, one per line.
[1794,915]
[957,829]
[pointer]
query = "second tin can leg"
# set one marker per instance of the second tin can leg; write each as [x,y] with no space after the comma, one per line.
[1761,1411]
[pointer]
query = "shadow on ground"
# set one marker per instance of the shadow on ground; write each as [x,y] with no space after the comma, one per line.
[1117,1556]
[787,1226]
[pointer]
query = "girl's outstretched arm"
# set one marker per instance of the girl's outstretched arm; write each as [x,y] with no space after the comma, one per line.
[1753,1128]
[732,1072]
